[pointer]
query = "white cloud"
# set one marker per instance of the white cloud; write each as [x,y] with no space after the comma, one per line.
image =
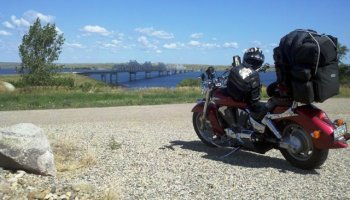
[159,51]
[120,36]
[146,43]
[150,31]
[75,45]
[109,45]
[177,45]
[19,22]
[96,29]
[27,19]
[58,30]
[32,15]
[210,45]
[196,35]
[230,45]
[116,41]
[194,43]
[5,33]
[8,25]
[170,46]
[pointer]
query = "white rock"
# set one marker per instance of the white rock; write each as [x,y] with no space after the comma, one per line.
[5,86]
[25,147]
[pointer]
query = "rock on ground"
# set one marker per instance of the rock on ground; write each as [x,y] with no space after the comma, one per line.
[25,147]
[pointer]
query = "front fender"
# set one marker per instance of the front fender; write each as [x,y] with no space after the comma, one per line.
[198,107]
[212,116]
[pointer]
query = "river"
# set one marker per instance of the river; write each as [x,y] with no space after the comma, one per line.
[155,81]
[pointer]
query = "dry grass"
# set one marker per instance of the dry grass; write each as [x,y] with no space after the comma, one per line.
[69,157]
[111,194]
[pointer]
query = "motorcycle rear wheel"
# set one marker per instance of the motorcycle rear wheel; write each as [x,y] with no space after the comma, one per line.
[203,131]
[308,157]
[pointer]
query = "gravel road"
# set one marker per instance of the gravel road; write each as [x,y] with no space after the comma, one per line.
[160,156]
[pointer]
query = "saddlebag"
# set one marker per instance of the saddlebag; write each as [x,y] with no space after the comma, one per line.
[306,63]
[244,84]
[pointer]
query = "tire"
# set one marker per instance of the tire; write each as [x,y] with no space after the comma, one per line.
[204,132]
[307,157]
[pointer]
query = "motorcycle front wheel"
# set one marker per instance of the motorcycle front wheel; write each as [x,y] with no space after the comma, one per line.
[203,130]
[306,156]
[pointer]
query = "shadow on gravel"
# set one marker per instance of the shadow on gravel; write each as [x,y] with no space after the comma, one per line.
[239,158]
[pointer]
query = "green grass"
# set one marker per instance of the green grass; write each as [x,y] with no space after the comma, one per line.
[189,83]
[63,98]
[88,92]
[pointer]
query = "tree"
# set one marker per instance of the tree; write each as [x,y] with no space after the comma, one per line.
[342,51]
[40,47]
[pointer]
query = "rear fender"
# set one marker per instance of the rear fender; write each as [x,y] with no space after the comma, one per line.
[212,116]
[313,119]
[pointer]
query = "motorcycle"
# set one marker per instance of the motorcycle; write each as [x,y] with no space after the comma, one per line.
[303,133]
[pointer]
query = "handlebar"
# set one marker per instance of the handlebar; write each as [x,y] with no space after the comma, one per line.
[264,67]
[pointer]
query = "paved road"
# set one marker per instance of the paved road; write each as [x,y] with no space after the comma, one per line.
[162,158]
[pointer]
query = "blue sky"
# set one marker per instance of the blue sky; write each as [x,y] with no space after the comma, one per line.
[170,31]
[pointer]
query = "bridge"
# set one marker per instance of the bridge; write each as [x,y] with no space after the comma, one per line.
[133,68]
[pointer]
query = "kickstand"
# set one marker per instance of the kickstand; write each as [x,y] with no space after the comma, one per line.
[231,152]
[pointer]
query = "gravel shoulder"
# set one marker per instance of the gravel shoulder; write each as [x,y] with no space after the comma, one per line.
[160,157]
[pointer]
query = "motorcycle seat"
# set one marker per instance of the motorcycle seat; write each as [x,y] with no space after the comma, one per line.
[259,109]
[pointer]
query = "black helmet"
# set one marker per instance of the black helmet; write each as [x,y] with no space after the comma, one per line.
[254,56]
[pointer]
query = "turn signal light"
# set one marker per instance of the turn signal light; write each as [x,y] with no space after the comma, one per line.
[340,122]
[316,134]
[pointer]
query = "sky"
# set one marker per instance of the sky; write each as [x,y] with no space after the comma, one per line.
[170,31]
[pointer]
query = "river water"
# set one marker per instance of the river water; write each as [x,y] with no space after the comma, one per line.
[155,81]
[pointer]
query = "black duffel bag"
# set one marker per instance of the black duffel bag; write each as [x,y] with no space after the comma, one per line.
[309,48]
[307,64]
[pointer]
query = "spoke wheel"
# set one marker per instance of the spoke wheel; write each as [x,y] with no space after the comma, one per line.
[204,130]
[303,154]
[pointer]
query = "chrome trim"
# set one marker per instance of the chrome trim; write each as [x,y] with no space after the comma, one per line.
[285,114]
[257,126]
[267,120]
[205,109]
[272,127]
[239,136]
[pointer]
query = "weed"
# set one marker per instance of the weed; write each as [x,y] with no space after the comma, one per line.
[69,157]
[113,144]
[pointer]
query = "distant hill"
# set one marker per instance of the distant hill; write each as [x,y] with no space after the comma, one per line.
[9,64]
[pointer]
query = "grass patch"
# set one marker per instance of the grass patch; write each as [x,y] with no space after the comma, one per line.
[190,83]
[113,144]
[88,92]
[69,156]
[112,194]
[53,98]
[344,91]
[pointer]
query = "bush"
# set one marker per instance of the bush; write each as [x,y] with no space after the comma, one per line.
[189,83]
[63,81]
[53,82]
[344,75]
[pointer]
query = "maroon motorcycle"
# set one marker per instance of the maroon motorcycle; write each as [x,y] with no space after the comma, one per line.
[302,132]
